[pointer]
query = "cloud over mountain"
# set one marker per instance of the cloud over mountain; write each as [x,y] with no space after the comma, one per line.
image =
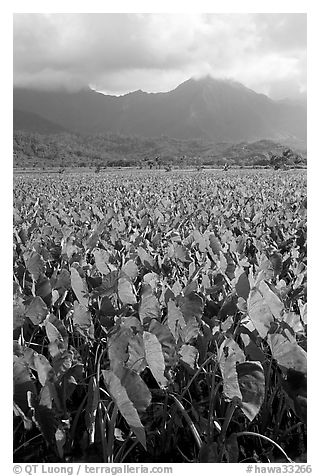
[118,53]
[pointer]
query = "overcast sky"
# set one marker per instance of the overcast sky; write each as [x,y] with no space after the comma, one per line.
[119,53]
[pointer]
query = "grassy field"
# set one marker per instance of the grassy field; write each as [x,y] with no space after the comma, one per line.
[160,316]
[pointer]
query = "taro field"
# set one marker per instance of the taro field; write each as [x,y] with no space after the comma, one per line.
[160,317]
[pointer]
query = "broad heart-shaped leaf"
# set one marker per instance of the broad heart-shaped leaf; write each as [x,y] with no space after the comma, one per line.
[22,383]
[130,269]
[60,436]
[191,306]
[229,355]
[35,265]
[243,286]
[189,355]
[175,319]
[18,311]
[154,358]
[125,405]
[149,308]
[259,312]
[125,291]
[276,261]
[182,254]
[118,347]
[43,368]
[137,390]
[62,282]
[79,287]
[252,387]
[272,300]
[57,335]
[82,320]
[101,258]
[146,259]
[137,356]
[288,354]
[166,340]
[209,453]
[189,331]
[36,310]
[46,421]
[232,449]
[214,244]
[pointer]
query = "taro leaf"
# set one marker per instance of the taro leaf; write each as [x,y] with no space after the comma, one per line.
[130,269]
[229,307]
[43,287]
[60,436]
[199,240]
[166,340]
[137,390]
[118,348]
[46,395]
[57,335]
[108,286]
[125,291]
[82,320]
[259,312]
[101,258]
[23,382]
[152,279]
[149,308]
[229,355]
[18,311]
[232,448]
[79,287]
[175,319]
[146,258]
[69,376]
[190,330]
[214,244]
[62,282]
[243,286]
[189,355]
[35,265]
[181,253]
[19,413]
[296,387]
[137,356]
[91,407]
[288,354]
[191,306]
[293,321]
[125,405]
[272,300]
[223,262]
[131,322]
[36,310]
[300,407]
[47,422]
[44,370]
[252,351]
[190,288]
[276,261]
[209,453]
[154,358]
[252,386]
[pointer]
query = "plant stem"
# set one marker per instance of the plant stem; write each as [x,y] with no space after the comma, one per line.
[252,433]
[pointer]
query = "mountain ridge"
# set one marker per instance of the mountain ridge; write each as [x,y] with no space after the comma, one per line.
[208,108]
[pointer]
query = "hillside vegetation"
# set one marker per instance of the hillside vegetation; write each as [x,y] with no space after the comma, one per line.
[105,150]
